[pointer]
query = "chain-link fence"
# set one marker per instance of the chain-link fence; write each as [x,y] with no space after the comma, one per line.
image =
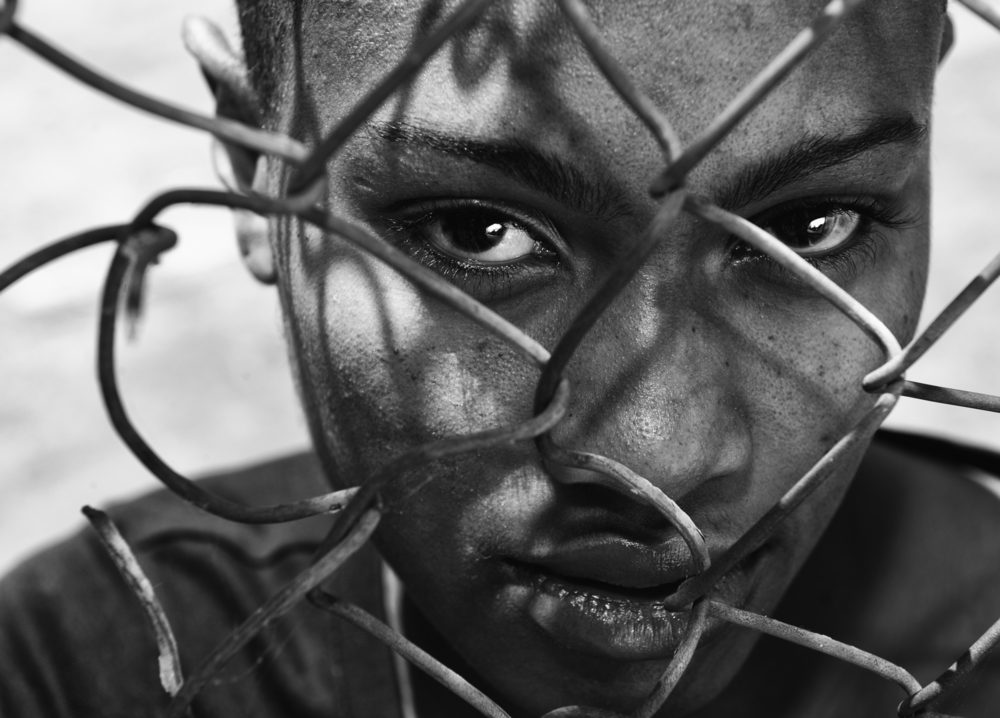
[141,240]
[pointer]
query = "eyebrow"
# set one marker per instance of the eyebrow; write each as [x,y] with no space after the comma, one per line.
[598,196]
[546,173]
[813,154]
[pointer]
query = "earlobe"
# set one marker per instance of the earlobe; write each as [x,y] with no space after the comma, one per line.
[253,235]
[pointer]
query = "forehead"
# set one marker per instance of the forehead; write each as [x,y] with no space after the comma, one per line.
[521,71]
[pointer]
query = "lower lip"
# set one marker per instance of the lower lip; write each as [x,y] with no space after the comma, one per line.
[621,628]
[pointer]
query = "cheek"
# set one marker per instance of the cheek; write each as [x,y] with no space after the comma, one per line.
[385,368]
[804,362]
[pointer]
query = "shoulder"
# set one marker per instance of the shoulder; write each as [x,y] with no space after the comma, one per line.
[161,521]
[74,641]
[934,507]
[907,569]
[939,503]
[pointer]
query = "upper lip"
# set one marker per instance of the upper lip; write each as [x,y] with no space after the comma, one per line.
[617,561]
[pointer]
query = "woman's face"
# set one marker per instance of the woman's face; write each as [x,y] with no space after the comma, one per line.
[511,168]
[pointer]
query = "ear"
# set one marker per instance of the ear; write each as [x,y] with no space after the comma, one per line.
[947,38]
[253,235]
[225,71]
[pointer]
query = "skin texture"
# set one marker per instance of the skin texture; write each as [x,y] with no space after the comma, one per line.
[714,374]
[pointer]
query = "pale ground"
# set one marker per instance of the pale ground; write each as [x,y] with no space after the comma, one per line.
[207,381]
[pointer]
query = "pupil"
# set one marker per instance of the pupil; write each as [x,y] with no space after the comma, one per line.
[469,232]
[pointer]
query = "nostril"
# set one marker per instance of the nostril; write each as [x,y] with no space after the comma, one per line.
[606,472]
[573,475]
[567,474]
[583,494]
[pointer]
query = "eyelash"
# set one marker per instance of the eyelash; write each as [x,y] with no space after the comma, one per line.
[490,281]
[487,281]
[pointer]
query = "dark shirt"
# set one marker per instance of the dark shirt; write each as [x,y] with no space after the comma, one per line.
[74,641]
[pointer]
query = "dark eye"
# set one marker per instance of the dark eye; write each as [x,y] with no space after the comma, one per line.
[815,232]
[492,252]
[480,236]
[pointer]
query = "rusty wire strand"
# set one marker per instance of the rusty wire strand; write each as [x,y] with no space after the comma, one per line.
[984,10]
[753,93]
[817,642]
[275,607]
[143,249]
[171,675]
[642,105]
[668,681]
[410,651]
[225,129]
[955,397]
[60,248]
[896,366]
[411,63]
[697,622]
[957,673]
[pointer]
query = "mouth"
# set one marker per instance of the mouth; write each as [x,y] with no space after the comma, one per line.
[603,619]
[653,595]
[605,597]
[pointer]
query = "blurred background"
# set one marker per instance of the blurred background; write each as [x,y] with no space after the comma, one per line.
[207,381]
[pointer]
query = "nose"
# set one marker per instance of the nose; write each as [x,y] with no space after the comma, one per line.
[656,387]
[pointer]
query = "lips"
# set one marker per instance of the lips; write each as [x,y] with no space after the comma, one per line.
[618,562]
[602,595]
